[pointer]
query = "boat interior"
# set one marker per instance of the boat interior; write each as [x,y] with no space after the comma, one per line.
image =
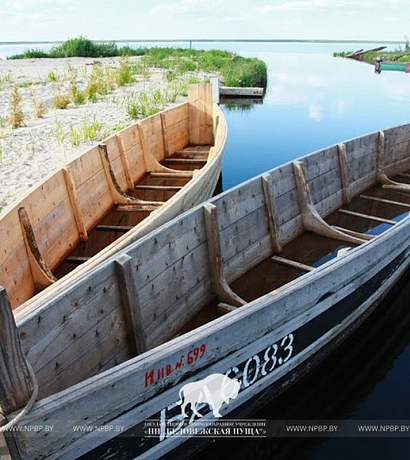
[368,215]
[152,191]
[359,219]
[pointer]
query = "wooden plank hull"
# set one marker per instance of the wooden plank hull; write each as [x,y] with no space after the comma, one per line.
[105,375]
[273,362]
[67,207]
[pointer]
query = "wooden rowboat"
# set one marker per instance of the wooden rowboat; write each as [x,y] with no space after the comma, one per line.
[111,195]
[236,298]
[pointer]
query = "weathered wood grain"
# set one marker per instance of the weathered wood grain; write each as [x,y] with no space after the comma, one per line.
[320,163]
[64,210]
[41,273]
[200,114]
[151,127]
[169,268]
[72,193]
[312,220]
[18,264]
[239,202]
[116,159]
[217,271]
[396,135]
[225,334]
[344,174]
[252,228]
[130,301]
[292,263]
[172,287]
[164,129]
[172,320]
[125,162]
[16,385]
[271,209]
[57,340]
[108,340]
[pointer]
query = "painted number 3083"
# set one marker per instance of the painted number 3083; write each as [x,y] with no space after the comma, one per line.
[275,355]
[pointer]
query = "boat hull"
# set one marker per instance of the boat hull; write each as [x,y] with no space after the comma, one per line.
[301,343]
[63,210]
[113,353]
[392,66]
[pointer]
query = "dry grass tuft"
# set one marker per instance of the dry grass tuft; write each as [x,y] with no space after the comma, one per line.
[16,116]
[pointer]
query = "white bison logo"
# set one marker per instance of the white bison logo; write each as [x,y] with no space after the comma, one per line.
[213,390]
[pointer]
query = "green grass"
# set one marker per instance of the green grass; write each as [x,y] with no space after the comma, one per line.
[125,75]
[92,130]
[52,77]
[150,102]
[59,132]
[60,101]
[77,47]
[89,131]
[146,103]
[31,54]
[387,56]
[97,84]
[72,93]
[83,47]
[234,70]
[5,79]
[38,104]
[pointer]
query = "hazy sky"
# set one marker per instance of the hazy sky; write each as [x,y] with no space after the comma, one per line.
[22,20]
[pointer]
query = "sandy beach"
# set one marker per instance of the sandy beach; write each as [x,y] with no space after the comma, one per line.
[40,145]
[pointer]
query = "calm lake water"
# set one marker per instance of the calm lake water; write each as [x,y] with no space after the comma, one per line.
[314,100]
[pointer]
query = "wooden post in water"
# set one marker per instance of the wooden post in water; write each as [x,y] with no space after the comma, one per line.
[16,385]
[215,89]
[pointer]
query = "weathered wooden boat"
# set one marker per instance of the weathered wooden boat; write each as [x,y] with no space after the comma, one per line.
[359,54]
[111,195]
[381,65]
[239,296]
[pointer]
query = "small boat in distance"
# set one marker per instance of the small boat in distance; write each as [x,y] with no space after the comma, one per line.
[111,195]
[232,301]
[359,54]
[397,66]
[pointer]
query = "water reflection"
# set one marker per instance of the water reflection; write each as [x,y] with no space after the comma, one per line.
[313,100]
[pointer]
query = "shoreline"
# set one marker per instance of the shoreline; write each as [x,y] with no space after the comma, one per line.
[30,153]
[213,40]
